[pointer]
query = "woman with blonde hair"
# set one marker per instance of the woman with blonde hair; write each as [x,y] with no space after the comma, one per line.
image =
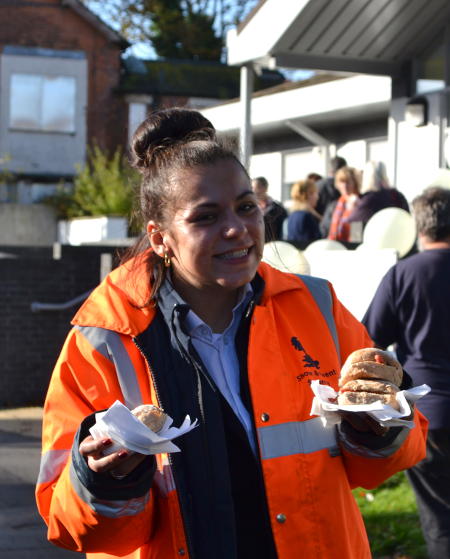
[348,183]
[303,222]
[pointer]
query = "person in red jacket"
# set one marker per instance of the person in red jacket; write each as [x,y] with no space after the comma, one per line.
[348,183]
[197,325]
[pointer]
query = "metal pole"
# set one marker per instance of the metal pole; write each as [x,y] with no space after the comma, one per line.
[245,137]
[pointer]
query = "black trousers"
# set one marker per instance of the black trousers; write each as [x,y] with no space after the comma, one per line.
[430,480]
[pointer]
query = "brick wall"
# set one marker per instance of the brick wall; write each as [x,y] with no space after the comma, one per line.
[52,25]
[30,342]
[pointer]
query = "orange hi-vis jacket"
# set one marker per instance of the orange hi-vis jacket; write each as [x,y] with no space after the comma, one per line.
[308,470]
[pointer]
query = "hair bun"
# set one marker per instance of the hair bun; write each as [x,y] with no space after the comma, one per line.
[164,129]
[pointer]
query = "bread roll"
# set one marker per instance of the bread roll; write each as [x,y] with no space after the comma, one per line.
[368,385]
[366,391]
[359,398]
[151,416]
[371,363]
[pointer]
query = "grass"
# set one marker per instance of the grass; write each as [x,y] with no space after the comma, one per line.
[391,519]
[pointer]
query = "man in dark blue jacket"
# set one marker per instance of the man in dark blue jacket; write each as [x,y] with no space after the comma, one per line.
[411,309]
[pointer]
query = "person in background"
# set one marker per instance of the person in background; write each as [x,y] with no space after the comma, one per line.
[411,310]
[303,221]
[274,213]
[314,176]
[347,182]
[376,194]
[196,324]
[328,194]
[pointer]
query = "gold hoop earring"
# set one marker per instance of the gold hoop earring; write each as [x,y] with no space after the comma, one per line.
[167,260]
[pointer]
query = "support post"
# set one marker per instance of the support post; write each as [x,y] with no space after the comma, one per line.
[245,136]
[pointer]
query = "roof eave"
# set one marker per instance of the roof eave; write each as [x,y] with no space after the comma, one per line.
[97,22]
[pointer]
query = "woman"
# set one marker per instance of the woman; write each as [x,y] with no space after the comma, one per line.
[303,222]
[347,182]
[196,324]
[376,194]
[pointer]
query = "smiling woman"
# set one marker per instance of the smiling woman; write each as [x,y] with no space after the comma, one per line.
[196,325]
[215,239]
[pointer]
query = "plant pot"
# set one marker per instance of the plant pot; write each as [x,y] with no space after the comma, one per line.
[87,230]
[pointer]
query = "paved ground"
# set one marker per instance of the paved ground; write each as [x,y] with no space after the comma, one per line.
[22,531]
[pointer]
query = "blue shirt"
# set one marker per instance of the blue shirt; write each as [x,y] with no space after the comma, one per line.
[218,353]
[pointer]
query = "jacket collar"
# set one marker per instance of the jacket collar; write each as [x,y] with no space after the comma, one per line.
[119,302]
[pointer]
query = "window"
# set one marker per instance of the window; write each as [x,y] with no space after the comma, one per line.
[42,103]
[136,114]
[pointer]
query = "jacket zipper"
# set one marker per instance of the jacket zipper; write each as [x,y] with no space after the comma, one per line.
[199,372]
[186,521]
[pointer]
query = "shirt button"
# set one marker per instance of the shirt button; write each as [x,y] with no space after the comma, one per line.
[281,518]
[181,552]
[265,417]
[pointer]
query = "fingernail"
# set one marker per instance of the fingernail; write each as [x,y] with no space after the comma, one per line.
[106,442]
[122,454]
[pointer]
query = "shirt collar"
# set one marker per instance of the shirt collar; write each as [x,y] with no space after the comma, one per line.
[193,324]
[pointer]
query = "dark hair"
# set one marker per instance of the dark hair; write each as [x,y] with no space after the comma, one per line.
[314,176]
[336,163]
[262,181]
[432,213]
[168,141]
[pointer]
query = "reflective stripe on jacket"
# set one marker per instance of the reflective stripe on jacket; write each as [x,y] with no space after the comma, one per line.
[308,470]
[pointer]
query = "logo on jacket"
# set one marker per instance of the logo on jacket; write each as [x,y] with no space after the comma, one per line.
[311,365]
[307,359]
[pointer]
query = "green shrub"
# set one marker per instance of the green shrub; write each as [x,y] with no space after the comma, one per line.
[5,173]
[102,186]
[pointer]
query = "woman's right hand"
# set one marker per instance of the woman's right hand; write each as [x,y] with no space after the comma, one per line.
[119,463]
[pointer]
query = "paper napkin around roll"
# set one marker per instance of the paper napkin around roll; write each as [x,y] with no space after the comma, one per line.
[325,407]
[127,432]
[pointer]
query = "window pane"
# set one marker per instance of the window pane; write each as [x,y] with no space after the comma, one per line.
[425,86]
[25,101]
[58,104]
[42,103]
[136,114]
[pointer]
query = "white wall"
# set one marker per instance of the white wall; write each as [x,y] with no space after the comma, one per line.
[416,150]
[268,165]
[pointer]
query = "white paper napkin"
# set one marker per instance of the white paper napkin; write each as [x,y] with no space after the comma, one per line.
[126,431]
[324,407]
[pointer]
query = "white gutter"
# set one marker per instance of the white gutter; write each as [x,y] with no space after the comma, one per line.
[304,102]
